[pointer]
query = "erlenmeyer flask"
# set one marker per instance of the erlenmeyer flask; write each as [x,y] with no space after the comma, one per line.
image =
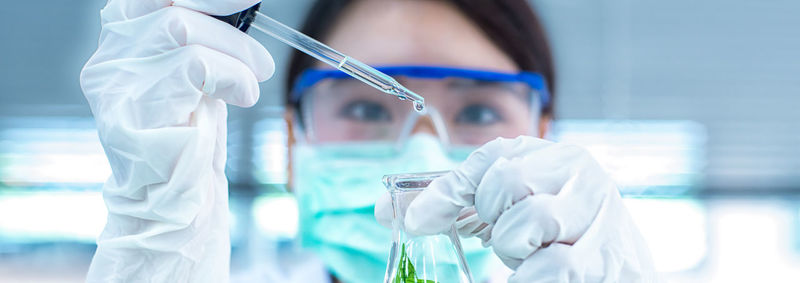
[421,259]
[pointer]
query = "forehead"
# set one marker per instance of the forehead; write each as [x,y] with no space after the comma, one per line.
[414,32]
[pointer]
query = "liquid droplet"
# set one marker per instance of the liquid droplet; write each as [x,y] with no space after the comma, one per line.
[419,106]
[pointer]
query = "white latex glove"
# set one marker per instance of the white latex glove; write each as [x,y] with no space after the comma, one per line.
[157,86]
[548,210]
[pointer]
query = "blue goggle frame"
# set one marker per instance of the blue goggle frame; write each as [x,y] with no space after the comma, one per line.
[534,80]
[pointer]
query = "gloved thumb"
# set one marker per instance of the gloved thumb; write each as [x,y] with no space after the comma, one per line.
[383,210]
[435,209]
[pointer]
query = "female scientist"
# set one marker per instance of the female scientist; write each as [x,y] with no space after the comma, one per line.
[164,71]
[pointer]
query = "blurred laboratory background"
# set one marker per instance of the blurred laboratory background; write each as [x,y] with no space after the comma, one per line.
[694,106]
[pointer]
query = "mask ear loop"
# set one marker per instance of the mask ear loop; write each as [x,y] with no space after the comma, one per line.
[536,112]
[411,122]
[303,132]
[299,133]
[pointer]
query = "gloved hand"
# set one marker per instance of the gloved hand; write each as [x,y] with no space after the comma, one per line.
[548,210]
[157,86]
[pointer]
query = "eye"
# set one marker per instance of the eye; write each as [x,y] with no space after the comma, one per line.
[477,114]
[365,111]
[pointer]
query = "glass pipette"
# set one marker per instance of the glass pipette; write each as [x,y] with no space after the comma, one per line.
[324,53]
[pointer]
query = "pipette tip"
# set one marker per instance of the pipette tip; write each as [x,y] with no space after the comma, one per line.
[406,94]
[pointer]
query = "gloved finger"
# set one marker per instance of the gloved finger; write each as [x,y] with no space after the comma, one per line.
[223,77]
[541,220]
[173,27]
[383,210]
[168,99]
[120,10]
[502,186]
[468,224]
[436,208]
[525,227]
[512,263]
[544,171]
[557,263]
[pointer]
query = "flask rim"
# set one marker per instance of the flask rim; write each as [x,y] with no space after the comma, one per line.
[405,182]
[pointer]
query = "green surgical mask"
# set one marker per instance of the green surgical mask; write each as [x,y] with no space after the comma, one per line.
[336,188]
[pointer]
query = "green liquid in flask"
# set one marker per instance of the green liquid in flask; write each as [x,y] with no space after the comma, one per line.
[413,258]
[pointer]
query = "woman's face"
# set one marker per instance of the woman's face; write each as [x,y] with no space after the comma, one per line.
[420,32]
[429,33]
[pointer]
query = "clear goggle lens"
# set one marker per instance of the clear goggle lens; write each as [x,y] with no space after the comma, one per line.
[462,111]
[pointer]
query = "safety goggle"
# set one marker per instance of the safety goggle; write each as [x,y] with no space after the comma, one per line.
[466,107]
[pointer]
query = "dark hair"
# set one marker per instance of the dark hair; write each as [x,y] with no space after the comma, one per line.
[512,25]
